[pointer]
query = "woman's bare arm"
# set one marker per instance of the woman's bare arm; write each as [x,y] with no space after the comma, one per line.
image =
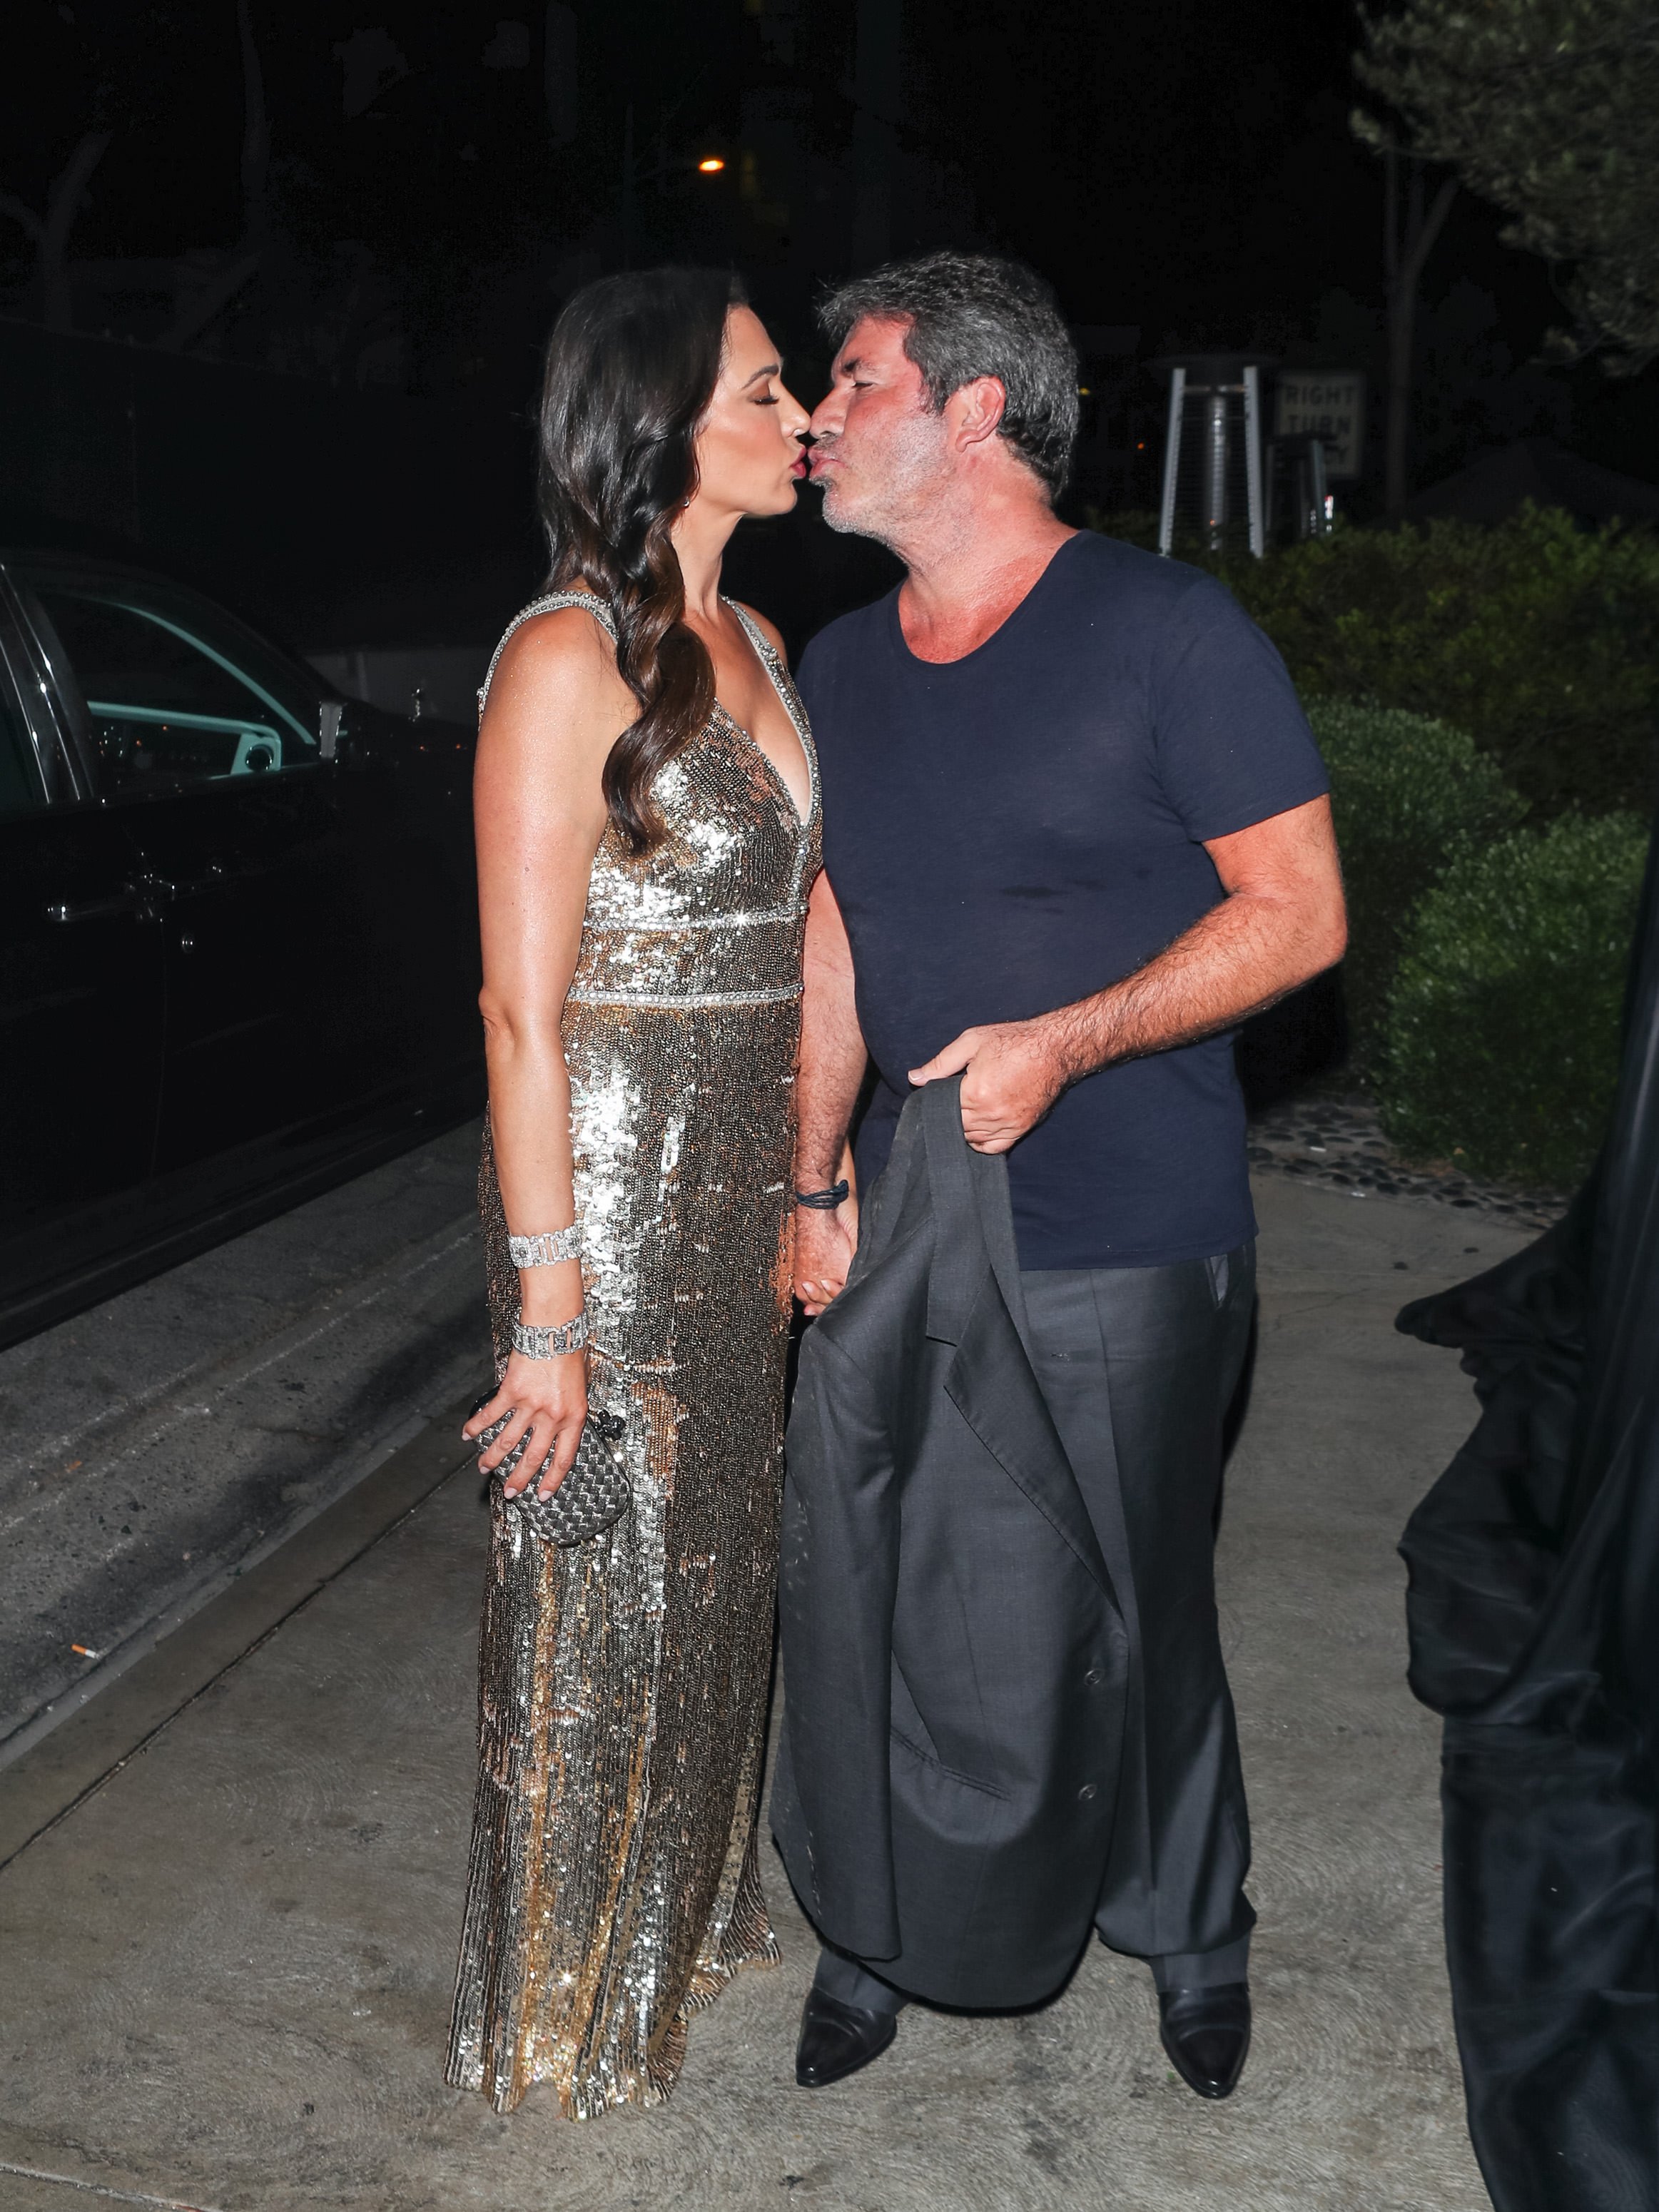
[556,707]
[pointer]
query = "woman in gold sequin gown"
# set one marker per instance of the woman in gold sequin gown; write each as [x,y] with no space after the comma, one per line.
[642,897]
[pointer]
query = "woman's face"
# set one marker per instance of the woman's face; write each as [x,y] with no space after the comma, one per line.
[749,458]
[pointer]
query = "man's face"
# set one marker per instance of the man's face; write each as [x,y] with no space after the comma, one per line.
[879,447]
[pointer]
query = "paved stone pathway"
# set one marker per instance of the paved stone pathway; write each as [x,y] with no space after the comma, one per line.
[1338,1138]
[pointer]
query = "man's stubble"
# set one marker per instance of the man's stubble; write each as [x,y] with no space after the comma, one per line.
[897,485]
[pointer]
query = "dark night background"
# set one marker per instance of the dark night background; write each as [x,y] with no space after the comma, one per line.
[438,177]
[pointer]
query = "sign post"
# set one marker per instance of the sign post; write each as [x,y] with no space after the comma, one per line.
[1216,400]
[1328,404]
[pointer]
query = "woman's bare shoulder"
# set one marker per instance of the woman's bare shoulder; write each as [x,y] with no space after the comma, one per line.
[564,656]
[556,707]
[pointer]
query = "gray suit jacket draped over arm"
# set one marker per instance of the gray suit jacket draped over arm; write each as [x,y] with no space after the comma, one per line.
[954,1660]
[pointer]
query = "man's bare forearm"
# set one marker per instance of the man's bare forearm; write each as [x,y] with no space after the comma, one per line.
[832,1064]
[833,1058]
[1241,955]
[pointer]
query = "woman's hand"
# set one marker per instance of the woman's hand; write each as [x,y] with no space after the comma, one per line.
[548,1400]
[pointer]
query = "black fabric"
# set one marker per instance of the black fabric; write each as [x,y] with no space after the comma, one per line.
[1014,830]
[1137,1366]
[853,1983]
[955,1663]
[1224,1967]
[1206,2035]
[1532,1612]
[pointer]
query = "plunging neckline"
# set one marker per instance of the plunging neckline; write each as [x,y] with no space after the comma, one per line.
[770,765]
[802,821]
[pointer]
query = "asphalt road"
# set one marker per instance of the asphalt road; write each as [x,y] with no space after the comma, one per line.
[154,1448]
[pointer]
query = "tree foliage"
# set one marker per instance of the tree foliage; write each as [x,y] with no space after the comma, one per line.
[1550,108]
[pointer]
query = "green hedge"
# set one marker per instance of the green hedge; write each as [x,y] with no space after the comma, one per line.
[1539,639]
[1410,797]
[1500,1048]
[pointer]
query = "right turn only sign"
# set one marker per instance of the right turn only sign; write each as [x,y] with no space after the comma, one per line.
[1329,404]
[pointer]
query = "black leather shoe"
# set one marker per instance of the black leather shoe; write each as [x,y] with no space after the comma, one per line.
[1207,2033]
[837,2039]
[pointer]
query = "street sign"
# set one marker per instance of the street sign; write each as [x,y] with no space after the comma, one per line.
[1329,404]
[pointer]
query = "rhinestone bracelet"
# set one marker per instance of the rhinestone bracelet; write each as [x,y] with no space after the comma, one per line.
[549,1343]
[547,1250]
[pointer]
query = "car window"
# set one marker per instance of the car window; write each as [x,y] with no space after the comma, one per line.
[166,702]
[21,791]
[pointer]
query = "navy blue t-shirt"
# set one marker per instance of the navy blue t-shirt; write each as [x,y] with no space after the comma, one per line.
[1014,830]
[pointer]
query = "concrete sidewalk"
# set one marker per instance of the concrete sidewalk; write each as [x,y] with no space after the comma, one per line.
[227,1967]
[154,1448]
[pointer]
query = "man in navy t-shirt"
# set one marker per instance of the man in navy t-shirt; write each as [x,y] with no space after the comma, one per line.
[1075,829]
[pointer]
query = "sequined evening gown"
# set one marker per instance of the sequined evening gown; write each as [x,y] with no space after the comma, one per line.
[613,1887]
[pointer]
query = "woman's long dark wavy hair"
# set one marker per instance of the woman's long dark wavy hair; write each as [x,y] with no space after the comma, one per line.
[631,367]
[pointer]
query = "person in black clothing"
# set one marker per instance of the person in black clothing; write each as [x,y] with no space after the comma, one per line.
[1076,827]
[1533,1615]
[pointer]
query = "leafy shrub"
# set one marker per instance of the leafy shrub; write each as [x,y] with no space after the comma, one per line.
[1410,796]
[1501,1042]
[1135,525]
[1539,639]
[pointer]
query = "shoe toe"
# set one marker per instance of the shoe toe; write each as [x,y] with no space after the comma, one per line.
[1206,2035]
[836,2039]
[1213,2056]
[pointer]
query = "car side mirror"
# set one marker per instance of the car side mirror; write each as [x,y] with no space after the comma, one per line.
[328,727]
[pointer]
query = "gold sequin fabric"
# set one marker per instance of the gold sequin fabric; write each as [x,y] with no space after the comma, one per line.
[613,1888]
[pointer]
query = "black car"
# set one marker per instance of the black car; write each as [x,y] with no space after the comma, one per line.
[239,947]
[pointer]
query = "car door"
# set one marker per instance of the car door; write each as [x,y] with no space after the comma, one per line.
[405,789]
[207,752]
[80,999]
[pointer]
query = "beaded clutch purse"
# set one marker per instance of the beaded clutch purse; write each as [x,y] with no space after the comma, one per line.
[593,1496]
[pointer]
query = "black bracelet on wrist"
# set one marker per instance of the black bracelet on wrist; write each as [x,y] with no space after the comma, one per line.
[824,1202]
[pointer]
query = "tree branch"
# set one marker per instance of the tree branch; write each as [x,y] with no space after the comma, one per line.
[1423,244]
[192,321]
[256,126]
[1390,214]
[9,205]
[69,189]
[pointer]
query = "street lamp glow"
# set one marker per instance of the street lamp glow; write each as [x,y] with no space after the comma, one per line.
[711,166]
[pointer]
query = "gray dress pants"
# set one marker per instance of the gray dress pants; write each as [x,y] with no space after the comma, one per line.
[1137,1366]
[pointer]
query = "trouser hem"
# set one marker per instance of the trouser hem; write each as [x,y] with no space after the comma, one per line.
[1202,1969]
[840,1975]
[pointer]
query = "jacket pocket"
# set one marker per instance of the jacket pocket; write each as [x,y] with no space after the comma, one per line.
[910,1730]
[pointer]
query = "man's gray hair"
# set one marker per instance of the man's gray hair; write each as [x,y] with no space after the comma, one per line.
[972,314]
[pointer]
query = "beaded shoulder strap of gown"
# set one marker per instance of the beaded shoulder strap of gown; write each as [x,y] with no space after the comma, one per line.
[778,669]
[549,603]
[771,660]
